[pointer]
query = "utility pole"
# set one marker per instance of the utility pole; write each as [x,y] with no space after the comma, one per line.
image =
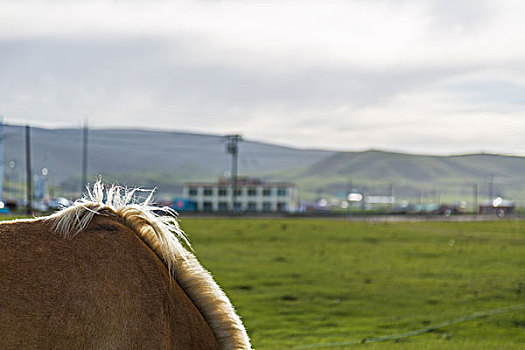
[319,193]
[350,187]
[491,189]
[391,190]
[475,193]
[84,156]
[28,172]
[233,149]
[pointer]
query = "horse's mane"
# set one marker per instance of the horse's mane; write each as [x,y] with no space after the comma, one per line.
[163,235]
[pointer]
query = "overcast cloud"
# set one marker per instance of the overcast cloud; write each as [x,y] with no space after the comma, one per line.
[441,77]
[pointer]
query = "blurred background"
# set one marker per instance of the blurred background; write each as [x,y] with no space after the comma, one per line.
[198,172]
[376,106]
[321,124]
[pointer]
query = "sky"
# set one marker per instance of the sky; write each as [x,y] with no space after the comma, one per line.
[417,76]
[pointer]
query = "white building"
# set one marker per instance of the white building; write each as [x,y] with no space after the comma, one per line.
[253,195]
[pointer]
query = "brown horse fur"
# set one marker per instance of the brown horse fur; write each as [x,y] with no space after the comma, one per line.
[116,277]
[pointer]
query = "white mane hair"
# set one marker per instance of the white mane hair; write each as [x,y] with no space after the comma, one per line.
[163,235]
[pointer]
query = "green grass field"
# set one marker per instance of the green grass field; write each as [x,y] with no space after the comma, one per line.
[305,281]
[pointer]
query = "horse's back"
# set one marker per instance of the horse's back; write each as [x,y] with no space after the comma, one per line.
[103,288]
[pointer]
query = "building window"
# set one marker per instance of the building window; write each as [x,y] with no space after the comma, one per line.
[238,192]
[252,191]
[237,206]
[223,192]
[207,206]
[192,191]
[267,206]
[281,206]
[208,191]
[267,192]
[281,191]
[252,206]
[223,206]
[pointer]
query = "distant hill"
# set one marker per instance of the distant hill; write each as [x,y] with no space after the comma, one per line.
[411,176]
[168,159]
[144,158]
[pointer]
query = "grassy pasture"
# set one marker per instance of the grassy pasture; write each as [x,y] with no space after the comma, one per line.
[306,281]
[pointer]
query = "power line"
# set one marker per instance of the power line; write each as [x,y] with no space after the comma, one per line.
[28,170]
[84,156]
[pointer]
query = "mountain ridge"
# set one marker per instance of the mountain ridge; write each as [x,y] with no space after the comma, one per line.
[167,159]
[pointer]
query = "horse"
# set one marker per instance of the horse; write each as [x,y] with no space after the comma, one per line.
[109,272]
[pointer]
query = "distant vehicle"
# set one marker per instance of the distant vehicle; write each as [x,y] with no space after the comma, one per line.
[182,205]
[499,206]
[12,205]
[448,210]
[432,209]
[405,208]
[4,209]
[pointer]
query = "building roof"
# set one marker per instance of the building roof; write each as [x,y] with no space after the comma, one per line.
[242,181]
